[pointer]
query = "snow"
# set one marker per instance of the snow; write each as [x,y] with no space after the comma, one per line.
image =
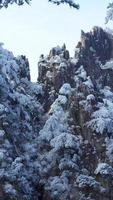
[61,148]
[81,73]
[90,97]
[62,65]
[65,140]
[1,155]
[53,126]
[56,123]
[58,187]
[55,60]
[35,89]
[9,189]
[85,181]
[74,61]
[87,106]
[109,149]
[92,50]
[62,99]
[49,75]
[47,148]
[56,107]
[2,108]
[81,78]
[17,167]
[20,113]
[65,90]
[89,83]
[27,101]
[106,91]
[108,65]
[102,119]
[104,169]
[2,133]
[68,163]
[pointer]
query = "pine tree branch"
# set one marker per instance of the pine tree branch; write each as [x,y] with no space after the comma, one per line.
[71,3]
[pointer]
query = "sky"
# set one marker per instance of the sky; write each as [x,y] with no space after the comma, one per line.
[35,29]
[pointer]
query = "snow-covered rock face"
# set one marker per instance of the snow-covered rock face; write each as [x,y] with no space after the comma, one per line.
[95,53]
[56,135]
[96,43]
[76,140]
[55,70]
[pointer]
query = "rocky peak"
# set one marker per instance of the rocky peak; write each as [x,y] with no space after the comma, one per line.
[87,116]
[54,70]
[96,43]
[24,70]
[94,51]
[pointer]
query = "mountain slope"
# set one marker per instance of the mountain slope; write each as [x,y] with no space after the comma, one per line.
[56,135]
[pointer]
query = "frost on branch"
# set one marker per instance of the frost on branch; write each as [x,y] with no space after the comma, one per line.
[105,170]
[84,181]
[71,3]
[102,118]
[6,3]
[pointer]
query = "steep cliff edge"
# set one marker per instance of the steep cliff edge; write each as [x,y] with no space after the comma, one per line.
[56,135]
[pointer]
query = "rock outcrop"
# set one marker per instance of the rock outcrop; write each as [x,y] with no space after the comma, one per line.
[89,115]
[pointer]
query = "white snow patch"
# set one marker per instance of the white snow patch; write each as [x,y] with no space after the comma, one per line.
[65,89]
[104,169]
[108,65]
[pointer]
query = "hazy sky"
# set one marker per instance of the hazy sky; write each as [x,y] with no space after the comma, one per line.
[33,30]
